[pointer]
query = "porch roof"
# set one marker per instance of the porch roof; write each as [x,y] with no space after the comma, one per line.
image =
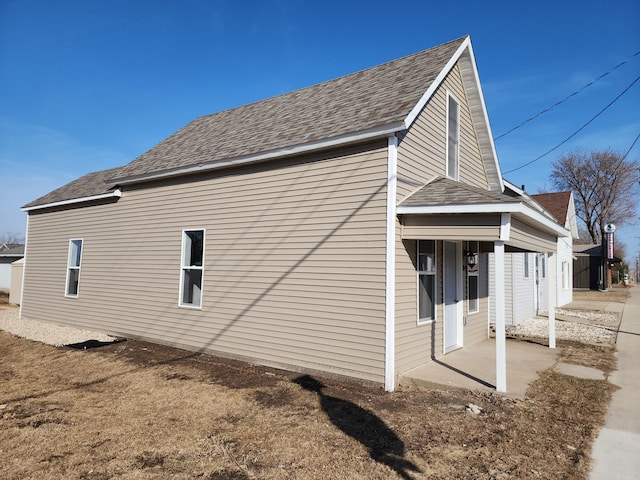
[445,209]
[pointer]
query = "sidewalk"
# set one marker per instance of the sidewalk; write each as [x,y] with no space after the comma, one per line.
[616,452]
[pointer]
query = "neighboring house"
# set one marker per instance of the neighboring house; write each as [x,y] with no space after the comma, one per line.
[562,207]
[527,279]
[587,267]
[8,254]
[342,228]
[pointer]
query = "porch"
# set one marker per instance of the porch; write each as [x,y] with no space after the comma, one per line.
[454,212]
[474,367]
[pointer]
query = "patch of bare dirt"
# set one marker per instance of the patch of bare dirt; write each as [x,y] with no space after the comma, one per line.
[137,410]
[614,294]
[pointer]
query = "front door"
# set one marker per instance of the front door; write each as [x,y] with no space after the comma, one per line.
[451,296]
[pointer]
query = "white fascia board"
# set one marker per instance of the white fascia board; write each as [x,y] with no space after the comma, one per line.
[115,193]
[522,193]
[465,46]
[465,208]
[377,132]
[485,115]
[408,121]
[514,208]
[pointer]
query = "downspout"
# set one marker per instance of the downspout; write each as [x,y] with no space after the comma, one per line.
[390,267]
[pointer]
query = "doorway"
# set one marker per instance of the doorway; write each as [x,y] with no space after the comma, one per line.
[452,283]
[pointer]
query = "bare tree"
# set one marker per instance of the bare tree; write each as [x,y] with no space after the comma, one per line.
[604,184]
[12,239]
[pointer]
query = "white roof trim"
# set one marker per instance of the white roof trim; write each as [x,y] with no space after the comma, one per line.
[515,208]
[485,115]
[383,131]
[465,46]
[115,193]
[436,83]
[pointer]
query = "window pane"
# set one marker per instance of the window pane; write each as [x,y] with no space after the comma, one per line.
[193,248]
[426,256]
[452,140]
[72,286]
[192,287]
[426,294]
[473,293]
[75,253]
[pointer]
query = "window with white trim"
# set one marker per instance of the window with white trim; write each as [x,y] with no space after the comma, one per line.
[73,267]
[526,265]
[192,266]
[472,280]
[543,262]
[453,136]
[426,281]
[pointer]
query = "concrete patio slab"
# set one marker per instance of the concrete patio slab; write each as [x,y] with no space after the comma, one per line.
[579,371]
[474,367]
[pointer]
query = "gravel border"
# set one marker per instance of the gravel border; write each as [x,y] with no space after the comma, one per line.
[602,328]
[48,333]
[538,327]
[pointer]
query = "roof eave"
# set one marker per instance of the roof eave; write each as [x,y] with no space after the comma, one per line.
[115,194]
[517,208]
[370,134]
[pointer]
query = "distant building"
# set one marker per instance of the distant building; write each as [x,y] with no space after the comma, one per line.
[9,253]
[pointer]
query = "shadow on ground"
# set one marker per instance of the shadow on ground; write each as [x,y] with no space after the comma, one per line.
[384,445]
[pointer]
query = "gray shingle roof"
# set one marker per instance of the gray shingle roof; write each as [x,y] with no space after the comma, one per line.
[16,251]
[445,191]
[375,97]
[91,184]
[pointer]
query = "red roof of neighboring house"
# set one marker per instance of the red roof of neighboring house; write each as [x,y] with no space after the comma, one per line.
[556,203]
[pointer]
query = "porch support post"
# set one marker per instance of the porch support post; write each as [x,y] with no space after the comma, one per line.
[501,346]
[390,294]
[553,293]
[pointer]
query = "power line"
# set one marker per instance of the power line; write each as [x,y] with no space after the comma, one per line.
[568,96]
[577,131]
[631,147]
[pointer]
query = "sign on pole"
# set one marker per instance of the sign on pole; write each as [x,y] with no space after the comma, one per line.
[609,229]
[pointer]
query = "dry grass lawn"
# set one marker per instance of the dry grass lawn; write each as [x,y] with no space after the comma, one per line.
[135,410]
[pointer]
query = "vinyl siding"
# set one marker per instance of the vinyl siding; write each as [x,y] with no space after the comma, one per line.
[421,157]
[565,254]
[477,324]
[452,227]
[422,150]
[525,236]
[294,272]
[519,291]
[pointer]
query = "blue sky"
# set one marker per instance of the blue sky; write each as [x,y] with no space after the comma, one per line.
[89,85]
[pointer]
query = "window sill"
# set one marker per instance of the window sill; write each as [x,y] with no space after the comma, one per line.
[190,307]
[421,323]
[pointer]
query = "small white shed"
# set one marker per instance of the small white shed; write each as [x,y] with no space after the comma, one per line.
[15,292]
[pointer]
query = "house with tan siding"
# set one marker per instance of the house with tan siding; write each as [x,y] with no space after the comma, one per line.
[340,229]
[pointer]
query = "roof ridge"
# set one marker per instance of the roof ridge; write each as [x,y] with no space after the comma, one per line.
[336,79]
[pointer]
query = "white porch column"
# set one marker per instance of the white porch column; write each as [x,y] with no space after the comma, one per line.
[501,347]
[553,294]
[390,295]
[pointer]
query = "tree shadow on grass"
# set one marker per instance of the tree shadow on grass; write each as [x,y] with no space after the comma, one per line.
[384,445]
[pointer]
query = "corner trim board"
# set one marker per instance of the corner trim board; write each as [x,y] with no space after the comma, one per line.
[390,280]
